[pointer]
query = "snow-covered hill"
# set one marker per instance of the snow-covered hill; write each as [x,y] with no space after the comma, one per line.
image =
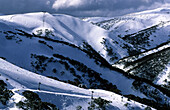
[69,29]
[144,30]
[64,96]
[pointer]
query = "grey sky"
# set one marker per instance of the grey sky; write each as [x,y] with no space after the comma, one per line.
[80,7]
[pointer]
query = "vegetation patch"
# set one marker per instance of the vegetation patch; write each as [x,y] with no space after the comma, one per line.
[148,102]
[89,78]
[98,103]
[45,43]
[33,102]
[94,79]
[3,58]
[109,50]
[5,94]
[141,38]
[9,35]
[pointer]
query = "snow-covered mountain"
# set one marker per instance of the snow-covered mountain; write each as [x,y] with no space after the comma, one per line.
[144,30]
[67,28]
[147,31]
[61,49]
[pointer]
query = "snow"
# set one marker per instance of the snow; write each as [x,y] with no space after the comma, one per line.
[27,77]
[135,22]
[70,29]
[75,31]
[64,27]
[150,52]
[140,56]
[20,80]
[22,58]
[165,75]
[17,54]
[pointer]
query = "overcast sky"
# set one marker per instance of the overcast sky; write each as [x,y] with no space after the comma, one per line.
[80,7]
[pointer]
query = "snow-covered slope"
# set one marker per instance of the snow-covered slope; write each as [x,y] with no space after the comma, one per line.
[144,30]
[152,65]
[64,96]
[148,31]
[74,61]
[69,29]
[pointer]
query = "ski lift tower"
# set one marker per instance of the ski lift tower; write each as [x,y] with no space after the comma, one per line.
[43,17]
